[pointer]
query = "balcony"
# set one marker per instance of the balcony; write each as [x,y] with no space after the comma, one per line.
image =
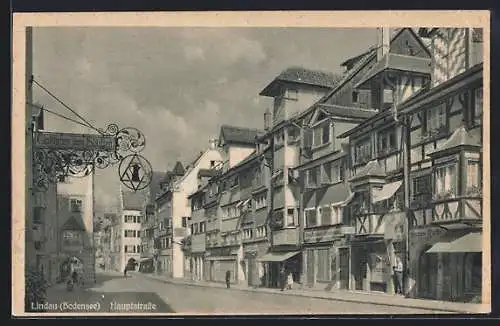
[286,237]
[450,208]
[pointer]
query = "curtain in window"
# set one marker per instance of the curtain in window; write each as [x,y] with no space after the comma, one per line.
[472,174]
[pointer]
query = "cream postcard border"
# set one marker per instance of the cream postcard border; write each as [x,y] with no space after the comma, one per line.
[344,19]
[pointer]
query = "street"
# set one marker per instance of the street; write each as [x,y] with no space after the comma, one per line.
[113,293]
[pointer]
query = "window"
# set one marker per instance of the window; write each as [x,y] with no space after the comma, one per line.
[313,177]
[138,234]
[387,141]
[290,217]
[363,151]
[326,176]
[260,201]
[321,134]
[421,187]
[436,120]
[308,138]
[203,227]
[337,215]
[185,220]
[292,94]
[478,107]
[445,181]
[279,138]
[388,96]
[337,172]
[278,218]
[310,216]
[139,219]
[293,133]
[76,205]
[355,97]
[37,217]
[72,238]
[138,248]
[326,215]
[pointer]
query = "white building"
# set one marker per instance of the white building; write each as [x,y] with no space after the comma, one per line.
[73,225]
[174,211]
[131,206]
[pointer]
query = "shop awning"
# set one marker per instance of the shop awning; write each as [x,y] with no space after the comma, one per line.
[336,195]
[278,256]
[471,242]
[386,192]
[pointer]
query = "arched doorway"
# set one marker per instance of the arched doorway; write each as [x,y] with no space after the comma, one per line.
[131,264]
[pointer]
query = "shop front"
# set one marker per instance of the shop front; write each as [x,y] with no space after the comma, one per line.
[219,261]
[448,262]
[254,269]
[326,257]
[280,258]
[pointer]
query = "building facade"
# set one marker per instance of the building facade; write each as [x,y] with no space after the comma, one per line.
[74,227]
[131,214]
[174,211]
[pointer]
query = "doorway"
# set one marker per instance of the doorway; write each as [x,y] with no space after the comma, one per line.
[344,257]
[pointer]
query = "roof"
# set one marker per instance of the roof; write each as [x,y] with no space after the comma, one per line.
[353,60]
[73,224]
[347,112]
[397,62]
[371,169]
[239,135]
[460,138]
[178,169]
[304,76]
[154,186]
[206,173]
[132,200]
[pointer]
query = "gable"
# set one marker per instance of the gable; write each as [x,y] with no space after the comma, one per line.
[72,224]
[406,42]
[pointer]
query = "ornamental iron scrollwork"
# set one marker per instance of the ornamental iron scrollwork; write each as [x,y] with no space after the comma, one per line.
[50,164]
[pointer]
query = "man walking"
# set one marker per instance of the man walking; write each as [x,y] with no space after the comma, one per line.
[398,276]
[228,279]
[282,278]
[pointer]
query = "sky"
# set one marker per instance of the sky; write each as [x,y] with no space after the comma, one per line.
[176,85]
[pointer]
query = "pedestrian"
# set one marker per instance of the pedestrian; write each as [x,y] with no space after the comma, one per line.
[289,281]
[125,272]
[282,278]
[228,279]
[398,276]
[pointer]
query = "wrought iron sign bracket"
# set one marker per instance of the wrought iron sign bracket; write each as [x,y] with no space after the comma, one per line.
[59,155]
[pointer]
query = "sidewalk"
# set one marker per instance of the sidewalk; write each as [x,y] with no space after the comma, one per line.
[345,296]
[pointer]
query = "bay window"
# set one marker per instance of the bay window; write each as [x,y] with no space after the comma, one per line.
[290,217]
[310,217]
[363,151]
[445,181]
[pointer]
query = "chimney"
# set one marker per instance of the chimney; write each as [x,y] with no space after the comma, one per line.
[383,42]
[213,143]
[267,119]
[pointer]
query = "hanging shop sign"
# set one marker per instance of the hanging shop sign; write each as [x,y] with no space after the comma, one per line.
[76,142]
[65,154]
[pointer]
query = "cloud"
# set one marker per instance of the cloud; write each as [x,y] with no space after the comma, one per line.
[244,49]
[194,53]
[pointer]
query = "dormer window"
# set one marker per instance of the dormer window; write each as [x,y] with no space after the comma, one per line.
[291,94]
[321,134]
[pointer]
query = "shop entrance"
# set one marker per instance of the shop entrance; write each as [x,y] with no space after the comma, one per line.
[344,257]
